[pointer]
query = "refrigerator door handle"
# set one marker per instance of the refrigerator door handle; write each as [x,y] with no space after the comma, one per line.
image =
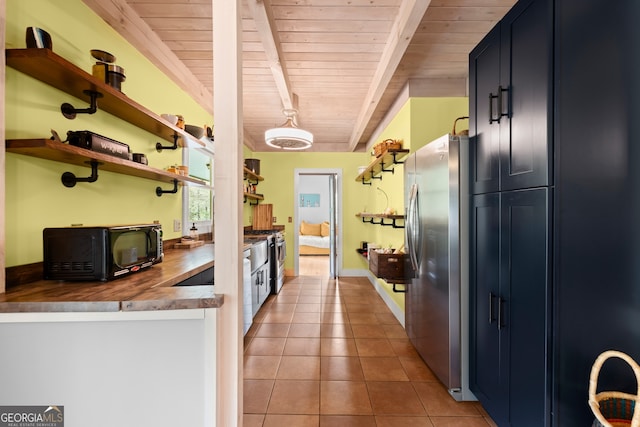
[411,227]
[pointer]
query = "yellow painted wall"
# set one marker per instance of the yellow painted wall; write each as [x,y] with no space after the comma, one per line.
[277,187]
[419,121]
[35,197]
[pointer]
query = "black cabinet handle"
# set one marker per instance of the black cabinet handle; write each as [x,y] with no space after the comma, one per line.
[501,316]
[502,103]
[491,98]
[491,316]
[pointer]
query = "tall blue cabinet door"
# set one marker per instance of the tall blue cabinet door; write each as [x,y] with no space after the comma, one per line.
[525,311]
[484,128]
[525,95]
[486,379]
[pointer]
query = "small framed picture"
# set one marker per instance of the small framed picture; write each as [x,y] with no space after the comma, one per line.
[309,200]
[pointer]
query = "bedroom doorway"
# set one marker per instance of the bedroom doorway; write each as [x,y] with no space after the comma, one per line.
[317,221]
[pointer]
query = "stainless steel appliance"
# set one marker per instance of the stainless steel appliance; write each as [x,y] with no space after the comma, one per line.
[436,235]
[259,273]
[100,253]
[277,254]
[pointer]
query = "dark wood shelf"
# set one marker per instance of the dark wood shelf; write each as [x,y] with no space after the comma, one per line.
[50,68]
[381,164]
[57,151]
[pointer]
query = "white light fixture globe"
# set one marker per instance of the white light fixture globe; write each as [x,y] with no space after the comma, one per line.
[288,136]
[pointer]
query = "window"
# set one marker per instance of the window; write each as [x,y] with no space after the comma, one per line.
[197,206]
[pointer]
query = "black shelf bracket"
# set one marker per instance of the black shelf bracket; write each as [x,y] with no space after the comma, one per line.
[401,291]
[160,147]
[70,180]
[365,182]
[395,161]
[70,112]
[393,223]
[160,191]
[257,201]
[370,221]
[382,169]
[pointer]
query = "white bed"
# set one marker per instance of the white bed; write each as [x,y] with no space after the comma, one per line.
[311,241]
[313,245]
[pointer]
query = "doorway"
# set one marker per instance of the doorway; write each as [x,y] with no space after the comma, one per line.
[318,220]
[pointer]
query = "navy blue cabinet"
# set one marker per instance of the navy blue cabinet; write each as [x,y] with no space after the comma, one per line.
[510,305]
[597,204]
[510,101]
[486,381]
[511,134]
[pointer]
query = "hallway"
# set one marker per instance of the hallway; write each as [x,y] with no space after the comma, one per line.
[330,353]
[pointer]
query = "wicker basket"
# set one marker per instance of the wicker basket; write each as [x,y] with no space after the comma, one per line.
[388,144]
[613,408]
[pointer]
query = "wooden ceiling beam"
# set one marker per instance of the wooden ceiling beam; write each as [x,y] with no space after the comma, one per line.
[265,25]
[404,27]
[132,27]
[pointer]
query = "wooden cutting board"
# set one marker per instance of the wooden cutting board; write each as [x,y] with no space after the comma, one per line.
[263,217]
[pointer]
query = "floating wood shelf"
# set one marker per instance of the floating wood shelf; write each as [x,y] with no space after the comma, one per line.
[253,197]
[53,150]
[382,164]
[379,219]
[50,68]
[251,176]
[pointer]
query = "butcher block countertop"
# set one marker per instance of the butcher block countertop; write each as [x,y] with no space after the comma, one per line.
[150,289]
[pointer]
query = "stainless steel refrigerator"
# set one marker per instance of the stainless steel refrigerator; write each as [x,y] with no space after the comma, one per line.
[436,240]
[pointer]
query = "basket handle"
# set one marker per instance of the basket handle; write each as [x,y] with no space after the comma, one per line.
[593,385]
[455,122]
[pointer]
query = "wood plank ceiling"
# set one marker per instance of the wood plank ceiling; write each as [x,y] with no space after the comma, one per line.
[345,65]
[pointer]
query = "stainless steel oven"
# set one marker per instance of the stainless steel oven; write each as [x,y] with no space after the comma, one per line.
[277,254]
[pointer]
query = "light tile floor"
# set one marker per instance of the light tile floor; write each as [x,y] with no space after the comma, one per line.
[329,353]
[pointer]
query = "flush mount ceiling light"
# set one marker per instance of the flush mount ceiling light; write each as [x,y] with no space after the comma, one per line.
[288,136]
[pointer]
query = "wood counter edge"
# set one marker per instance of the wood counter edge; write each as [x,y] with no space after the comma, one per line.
[162,295]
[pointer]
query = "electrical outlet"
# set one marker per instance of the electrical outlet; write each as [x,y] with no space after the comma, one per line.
[177,226]
[290,219]
[274,219]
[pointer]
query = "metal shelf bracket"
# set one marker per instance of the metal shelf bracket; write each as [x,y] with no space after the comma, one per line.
[70,180]
[70,112]
[160,191]
[160,147]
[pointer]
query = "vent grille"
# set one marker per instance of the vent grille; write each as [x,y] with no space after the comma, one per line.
[71,266]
